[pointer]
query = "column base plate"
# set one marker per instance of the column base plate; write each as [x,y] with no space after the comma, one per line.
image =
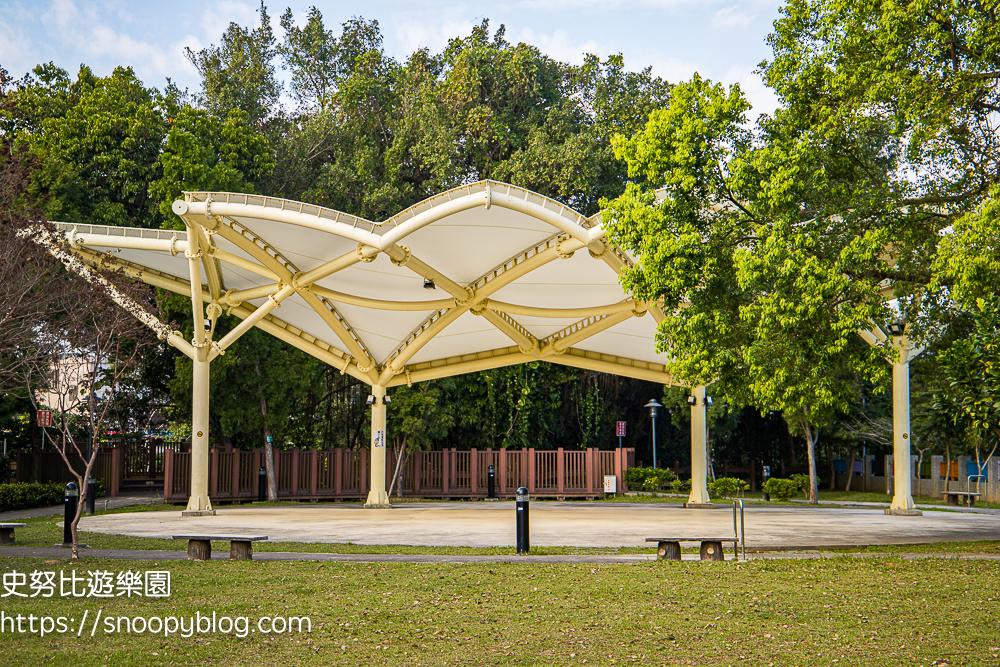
[373,506]
[892,512]
[198,513]
[699,506]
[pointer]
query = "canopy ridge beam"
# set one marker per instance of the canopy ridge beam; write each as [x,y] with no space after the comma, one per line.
[77,263]
[213,274]
[401,256]
[532,311]
[606,363]
[343,330]
[484,286]
[565,338]
[527,343]
[362,254]
[243,263]
[248,242]
[273,301]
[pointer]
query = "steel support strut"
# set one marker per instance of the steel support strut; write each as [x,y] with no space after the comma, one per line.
[699,450]
[377,497]
[902,499]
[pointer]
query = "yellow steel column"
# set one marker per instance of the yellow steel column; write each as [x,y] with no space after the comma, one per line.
[902,499]
[199,503]
[377,497]
[699,451]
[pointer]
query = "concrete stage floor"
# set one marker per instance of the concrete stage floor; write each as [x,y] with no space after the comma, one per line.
[611,524]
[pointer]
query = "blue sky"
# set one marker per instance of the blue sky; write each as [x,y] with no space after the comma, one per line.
[723,40]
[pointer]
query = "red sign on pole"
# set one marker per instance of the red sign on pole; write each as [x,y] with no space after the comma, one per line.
[45,418]
[621,429]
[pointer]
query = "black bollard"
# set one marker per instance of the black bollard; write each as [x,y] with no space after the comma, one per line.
[523,543]
[766,475]
[491,483]
[262,484]
[91,495]
[70,500]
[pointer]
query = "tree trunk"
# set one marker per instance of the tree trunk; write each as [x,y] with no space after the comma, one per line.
[272,486]
[850,468]
[947,465]
[811,451]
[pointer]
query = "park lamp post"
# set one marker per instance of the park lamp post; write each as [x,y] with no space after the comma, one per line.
[653,406]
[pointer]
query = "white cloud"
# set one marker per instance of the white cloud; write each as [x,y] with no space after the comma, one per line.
[559,46]
[217,17]
[411,35]
[759,95]
[732,17]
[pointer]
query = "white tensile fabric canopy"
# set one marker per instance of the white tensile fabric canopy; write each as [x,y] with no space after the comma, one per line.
[516,277]
[482,276]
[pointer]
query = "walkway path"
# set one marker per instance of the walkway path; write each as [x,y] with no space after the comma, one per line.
[558,524]
[113,504]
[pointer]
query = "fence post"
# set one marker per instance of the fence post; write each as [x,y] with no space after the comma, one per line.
[454,467]
[295,472]
[503,471]
[168,474]
[338,470]
[235,457]
[560,470]
[533,465]
[314,472]
[753,475]
[214,473]
[117,472]
[418,471]
[444,471]
[590,469]
[364,453]
[473,472]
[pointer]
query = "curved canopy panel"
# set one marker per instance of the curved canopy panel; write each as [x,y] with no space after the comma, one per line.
[482,276]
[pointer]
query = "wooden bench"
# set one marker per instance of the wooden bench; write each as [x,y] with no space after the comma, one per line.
[240,546]
[7,532]
[669,548]
[955,497]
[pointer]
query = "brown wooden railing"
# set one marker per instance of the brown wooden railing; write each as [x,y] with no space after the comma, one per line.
[341,474]
[52,468]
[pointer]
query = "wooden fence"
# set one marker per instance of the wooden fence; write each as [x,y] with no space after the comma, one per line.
[340,474]
[49,466]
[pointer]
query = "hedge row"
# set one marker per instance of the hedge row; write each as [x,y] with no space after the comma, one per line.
[23,496]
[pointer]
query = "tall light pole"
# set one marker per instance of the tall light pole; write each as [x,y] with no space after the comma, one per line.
[653,405]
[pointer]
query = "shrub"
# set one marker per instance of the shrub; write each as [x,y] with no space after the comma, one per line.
[682,486]
[22,496]
[727,487]
[781,489]
[648,479]
[802,481]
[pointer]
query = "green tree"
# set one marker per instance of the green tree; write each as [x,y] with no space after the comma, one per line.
[97,141]
[239,73]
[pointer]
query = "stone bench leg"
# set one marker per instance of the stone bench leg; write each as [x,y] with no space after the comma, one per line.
[952,499]
[241,550]
[668,551]
[199,550]
[6,536]
[712,551]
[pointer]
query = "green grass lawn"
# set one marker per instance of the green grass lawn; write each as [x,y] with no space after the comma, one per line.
[842,611]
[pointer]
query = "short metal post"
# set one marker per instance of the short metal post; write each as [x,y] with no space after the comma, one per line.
[70,500]
[491,483]
[91,495]
[262,484]
[523,543]
[765,475]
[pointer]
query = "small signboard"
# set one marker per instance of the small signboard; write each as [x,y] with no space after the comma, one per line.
[270,439]
[610,484]
[45,418]
[379,439]
[621,430]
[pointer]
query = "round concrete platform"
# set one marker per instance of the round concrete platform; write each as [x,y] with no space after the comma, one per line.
[556,524]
